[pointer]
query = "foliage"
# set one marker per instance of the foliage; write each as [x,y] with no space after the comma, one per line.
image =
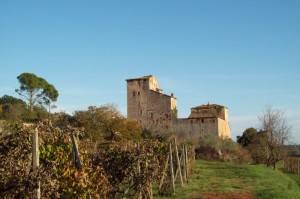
[106,123]
[131,168]
[6,99]
[216,148]
[216,142]
[266,146]
[162,137]
[11,108]
[276,133]
[15,110]
[39,113]
[248,137]
[111,169]
[62,120]
[57,175]
[175,111]
[36,90]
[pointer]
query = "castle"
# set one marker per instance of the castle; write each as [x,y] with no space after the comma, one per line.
[154,110]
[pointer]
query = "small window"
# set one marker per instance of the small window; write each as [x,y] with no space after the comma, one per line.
[202,120]
[191,121]
[133,93]
[167,127]
[150,115]
[138,92]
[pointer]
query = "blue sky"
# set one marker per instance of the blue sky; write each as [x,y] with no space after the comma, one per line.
[241,54]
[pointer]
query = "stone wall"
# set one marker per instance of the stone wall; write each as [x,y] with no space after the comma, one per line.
[154,110]
[147,104]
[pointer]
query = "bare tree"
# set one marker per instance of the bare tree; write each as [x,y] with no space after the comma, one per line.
[276,133]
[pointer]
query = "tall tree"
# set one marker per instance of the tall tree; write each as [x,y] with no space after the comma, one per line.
[255,142]
[277,133]
[248,137]
[36,90]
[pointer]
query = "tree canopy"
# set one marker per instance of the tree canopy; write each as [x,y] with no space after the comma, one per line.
[267,145]
[6,99]
[277,133]
[36,90]
[106,122]
[248,137]
[11,108]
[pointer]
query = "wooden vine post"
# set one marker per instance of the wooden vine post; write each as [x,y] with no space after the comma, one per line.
[178,162]
[164,172]
[76,159]
[171,169]
[139,167]
[298,164]
[35,160]
[76,155]
[291,168]
[184,163]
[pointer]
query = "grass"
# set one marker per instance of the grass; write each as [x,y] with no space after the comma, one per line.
[257,181]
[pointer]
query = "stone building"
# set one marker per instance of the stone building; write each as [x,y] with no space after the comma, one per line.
[154,110]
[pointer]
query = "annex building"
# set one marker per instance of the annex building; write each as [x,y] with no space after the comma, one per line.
[154,110]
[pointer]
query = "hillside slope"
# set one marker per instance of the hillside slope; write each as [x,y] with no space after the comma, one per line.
[227,180]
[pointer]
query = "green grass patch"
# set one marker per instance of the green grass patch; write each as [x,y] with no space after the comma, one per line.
[228,178]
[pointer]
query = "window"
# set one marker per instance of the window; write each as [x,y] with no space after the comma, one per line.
[150,115]
[138,92]
[133,93]
[202,120]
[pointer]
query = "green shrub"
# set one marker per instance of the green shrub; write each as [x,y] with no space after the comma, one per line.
[212,147]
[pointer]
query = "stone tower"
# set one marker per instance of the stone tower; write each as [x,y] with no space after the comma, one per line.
[147,104]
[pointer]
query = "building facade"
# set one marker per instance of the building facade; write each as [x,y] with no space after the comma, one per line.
[154,110]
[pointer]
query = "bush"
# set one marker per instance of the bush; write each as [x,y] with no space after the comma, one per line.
[109,170]
[212,147]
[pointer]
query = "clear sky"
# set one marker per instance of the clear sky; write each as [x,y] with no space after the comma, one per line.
[241,54]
